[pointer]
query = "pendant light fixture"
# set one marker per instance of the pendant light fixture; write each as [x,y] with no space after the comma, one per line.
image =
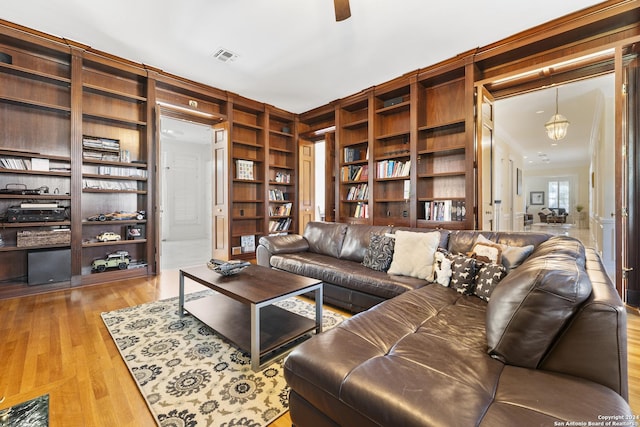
[557,125]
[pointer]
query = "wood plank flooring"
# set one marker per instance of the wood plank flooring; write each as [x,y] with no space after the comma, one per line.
[56,343]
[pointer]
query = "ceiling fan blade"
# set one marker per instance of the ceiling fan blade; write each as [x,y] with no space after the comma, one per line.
[343,11]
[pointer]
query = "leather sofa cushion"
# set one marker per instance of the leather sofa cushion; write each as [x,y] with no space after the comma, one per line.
[531,305]
[325,237]
[417,351]
[562,246]
[345,273]
[356,241]
[285,243]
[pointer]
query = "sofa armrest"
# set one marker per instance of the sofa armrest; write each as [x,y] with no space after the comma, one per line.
[283,244]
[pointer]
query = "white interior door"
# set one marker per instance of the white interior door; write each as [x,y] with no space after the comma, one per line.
[484,143]
[185,206]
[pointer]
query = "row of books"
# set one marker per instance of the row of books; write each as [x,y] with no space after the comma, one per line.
[354,154]
[275,194]
[445,210]
[34,164]
[361,211]
[280,210]
[282,224]
[355,173]
[102,156]
[99,184]
[283,177]
[103,144]
[393,168]
[358,192]
[15,163]
[121,171]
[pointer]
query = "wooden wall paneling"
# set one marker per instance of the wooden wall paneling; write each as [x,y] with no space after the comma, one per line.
[571,35]
[151,152]
[76,166]
[221,190]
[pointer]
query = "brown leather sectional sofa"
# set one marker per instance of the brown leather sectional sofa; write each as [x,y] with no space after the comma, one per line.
[548,349]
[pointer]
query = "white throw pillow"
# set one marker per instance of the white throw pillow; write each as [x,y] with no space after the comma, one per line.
[546,211]
[413,254]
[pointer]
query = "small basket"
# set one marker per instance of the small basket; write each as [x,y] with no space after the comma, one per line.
[228,268]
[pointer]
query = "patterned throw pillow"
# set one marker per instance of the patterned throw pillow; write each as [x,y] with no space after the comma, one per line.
[488,277]
[512,256]
[487,252]
[379,253]
[463,274]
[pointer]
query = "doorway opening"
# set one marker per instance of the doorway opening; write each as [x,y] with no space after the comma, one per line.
[573,178]
[185,173]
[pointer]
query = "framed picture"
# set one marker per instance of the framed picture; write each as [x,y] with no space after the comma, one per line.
[536,198]
[135,232]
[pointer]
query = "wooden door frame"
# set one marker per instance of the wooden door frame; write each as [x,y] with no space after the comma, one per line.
[163,109]
[626,213]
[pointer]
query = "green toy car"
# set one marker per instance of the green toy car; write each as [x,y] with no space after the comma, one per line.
[120,259]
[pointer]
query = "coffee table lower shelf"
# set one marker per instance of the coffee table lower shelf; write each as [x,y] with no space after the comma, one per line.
[232,320]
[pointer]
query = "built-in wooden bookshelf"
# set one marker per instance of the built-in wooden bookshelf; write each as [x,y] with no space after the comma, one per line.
[115,157]
[35,88]
[248,178]
[282,176]
[354,159]
[392,154]
[444,150]
[412,137]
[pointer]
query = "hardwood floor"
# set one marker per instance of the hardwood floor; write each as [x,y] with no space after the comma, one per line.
[56,343]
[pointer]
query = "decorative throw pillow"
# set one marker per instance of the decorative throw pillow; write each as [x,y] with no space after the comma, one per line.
[512,256]
[487,252]
[488,277]
[463,273]
[379,253]
[413,254]
[442,268]
[546,211]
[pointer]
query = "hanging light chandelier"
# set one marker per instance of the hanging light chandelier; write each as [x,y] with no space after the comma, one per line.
[557,125]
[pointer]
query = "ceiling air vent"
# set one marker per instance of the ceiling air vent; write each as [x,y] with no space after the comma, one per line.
[225,55]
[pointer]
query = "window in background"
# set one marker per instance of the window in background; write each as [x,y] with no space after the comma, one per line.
[559,195]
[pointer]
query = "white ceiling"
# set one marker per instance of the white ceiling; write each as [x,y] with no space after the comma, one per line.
[292,53]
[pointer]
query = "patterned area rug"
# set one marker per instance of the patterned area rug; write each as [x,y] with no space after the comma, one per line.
[191,377]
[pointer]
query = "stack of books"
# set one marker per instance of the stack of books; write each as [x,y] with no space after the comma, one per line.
[97,148]
[445,210]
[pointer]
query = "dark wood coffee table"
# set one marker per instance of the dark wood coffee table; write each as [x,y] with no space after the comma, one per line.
[243,312]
